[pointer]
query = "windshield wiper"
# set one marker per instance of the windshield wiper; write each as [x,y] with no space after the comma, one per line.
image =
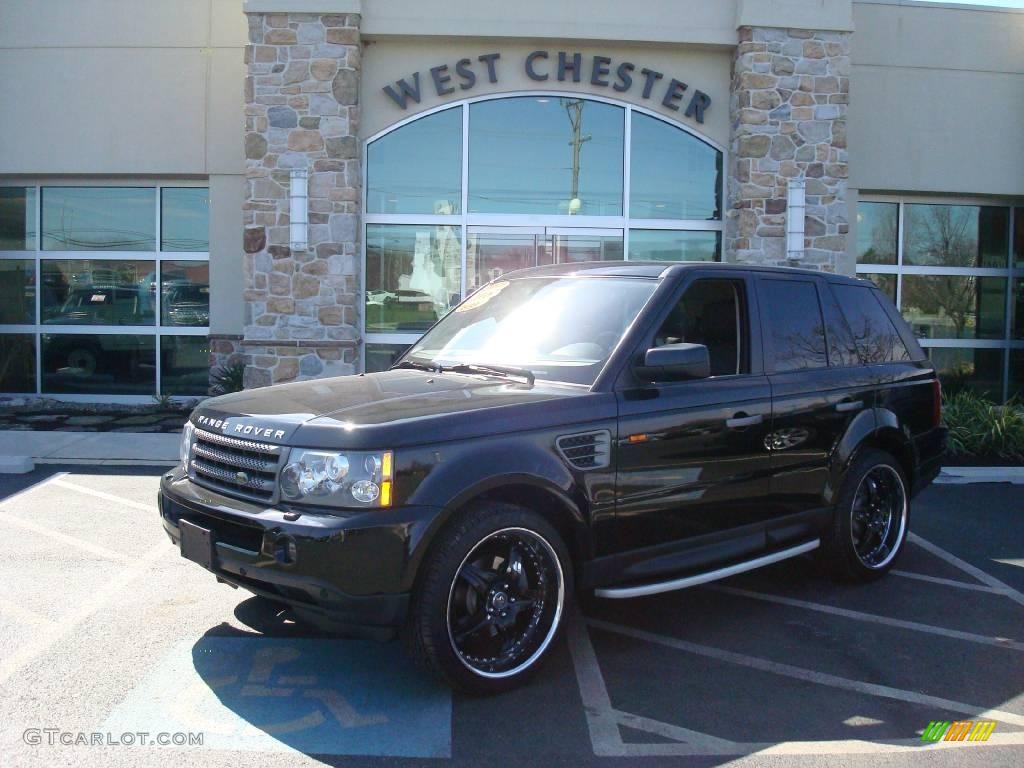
[493,370]
[432,367]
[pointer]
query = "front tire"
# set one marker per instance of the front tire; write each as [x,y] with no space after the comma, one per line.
[491,599]
[871,519]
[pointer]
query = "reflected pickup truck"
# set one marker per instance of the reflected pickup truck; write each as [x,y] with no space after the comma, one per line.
[583,430]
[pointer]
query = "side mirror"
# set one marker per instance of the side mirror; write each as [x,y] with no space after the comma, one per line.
[673,362]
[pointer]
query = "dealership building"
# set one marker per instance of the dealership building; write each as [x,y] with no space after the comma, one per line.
[303,186]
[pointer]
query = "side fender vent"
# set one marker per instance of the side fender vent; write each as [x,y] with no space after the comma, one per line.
[588,450]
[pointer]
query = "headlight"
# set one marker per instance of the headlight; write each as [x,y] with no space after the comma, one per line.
[185,449]
[338,479]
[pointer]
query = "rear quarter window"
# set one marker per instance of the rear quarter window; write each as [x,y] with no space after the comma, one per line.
[793,323]
[876,337]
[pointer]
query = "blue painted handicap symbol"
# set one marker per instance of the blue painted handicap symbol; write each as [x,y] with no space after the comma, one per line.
[332,697]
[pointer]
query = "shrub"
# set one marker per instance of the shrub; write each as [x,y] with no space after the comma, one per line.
[227,379]
[980,427]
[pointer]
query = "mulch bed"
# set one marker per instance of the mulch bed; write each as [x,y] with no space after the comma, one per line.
[54,416]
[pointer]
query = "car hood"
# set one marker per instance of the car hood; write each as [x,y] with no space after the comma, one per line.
[397,408]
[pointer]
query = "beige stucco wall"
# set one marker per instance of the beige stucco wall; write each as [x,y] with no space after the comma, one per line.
[937,99]
[385,61]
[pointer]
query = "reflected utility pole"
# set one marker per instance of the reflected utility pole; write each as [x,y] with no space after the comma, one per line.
[574,108]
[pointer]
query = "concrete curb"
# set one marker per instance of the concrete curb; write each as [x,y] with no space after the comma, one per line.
[16,465]
[969,475]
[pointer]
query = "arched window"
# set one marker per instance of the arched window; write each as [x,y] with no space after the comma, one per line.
[464,194]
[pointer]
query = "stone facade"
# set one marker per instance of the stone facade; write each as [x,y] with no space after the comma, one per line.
[790,90]
[302,111]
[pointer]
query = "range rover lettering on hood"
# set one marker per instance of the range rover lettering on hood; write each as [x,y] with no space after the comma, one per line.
[241,429]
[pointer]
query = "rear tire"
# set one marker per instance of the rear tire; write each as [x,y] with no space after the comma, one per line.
[871,519]
[491,599]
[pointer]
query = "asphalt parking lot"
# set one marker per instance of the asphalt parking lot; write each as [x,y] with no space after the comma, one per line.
[107,634]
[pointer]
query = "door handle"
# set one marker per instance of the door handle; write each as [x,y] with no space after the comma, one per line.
[849,405]
[741,420]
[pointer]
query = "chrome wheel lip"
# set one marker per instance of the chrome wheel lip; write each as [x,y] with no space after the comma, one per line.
[900,534]
[555,620]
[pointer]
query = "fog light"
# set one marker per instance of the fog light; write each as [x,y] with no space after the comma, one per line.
[286,551]
[365,491]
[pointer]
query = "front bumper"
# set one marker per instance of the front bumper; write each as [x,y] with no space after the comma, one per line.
[351,572]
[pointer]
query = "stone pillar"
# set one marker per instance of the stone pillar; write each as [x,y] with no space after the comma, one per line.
[302,111]
[790,90]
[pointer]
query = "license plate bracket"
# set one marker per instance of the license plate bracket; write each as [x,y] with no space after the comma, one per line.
[196,544]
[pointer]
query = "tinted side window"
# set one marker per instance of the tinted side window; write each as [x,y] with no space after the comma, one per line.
[712,313]
[842,349]
[876,336]
[791,316]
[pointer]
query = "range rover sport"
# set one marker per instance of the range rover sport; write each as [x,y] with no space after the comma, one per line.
[607,429]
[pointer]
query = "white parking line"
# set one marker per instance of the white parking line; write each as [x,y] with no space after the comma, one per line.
[104,495]
[21,613]
[946,582]
[71,541]
[604,731]
[966,567]
[811,676]
[930,629]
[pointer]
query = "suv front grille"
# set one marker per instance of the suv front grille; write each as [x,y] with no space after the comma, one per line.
[243,468]
[589,450]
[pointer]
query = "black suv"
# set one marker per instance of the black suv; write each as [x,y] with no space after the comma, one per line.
[618,429]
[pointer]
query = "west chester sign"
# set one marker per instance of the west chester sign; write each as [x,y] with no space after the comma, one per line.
[543,66]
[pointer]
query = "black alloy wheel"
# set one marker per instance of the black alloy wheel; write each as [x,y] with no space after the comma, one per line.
[491,597]
[505,602]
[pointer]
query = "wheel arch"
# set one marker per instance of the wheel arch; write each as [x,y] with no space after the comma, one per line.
[529,492]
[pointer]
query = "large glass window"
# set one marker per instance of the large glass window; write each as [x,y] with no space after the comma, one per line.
[956,276]
[670,245]
[413,275]
[460,196]
[99,219]
[17,218]
[877,233]
[955,236]
[94,322]
[184,219]
[546,155]
[417,169]
[673,175]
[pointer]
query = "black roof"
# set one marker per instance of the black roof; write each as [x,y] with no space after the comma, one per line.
[659,269]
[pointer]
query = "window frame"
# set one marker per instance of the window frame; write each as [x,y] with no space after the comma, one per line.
[464,220]
[1010,272]
[158,257]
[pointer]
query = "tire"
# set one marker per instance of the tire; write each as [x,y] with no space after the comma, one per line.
[871,520]
[467,624]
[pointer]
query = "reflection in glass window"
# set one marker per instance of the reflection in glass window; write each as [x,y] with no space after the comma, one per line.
[185,289]
[976,370]
[874,334]
[572,249]
[17,218]
[955,235]
[413,275]
[1018,238]
[955,307]
[490,255]
[184,365]
[673,175]
[380,357]
[797,331]
[877,233]
[417,168]
[17,292]
[185,219]
[99,219]
[670,245]
[1018,309]
[887,283]
[546,155]
[97,292]
[17,362]
[99,364]
[1016,392]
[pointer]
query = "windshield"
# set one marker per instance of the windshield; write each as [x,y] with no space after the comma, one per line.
[558,328]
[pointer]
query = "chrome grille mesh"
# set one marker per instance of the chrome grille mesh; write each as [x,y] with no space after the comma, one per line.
[235,467]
